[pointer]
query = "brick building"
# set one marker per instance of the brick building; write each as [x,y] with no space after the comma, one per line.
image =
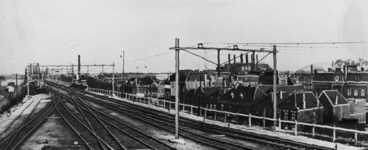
[350,82]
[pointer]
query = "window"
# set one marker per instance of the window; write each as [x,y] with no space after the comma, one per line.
[355,92]
[292,115]
[362,92]
[278,113]
[348,92]
[286,115]
[357,78]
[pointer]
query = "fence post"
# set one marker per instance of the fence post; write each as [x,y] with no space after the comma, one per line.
[225,115]
[222,107]
[191,109]
[356,138]
[183,107]
[205,114]
[237,118]
[334,134]
[169,106]
[250,120]
[296,128]
[264,122]
[279,123]
[164,104]
[313,130]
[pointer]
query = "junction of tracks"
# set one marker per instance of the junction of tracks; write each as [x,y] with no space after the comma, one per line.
[94,121]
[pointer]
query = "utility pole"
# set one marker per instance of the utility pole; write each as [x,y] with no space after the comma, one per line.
[113,79]
[177,89]
[122,74]
[38,75]
[274,86]
[28,72]
[16,85]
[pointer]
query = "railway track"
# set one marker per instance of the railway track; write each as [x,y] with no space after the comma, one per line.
[17,137]
[199,138]
[234,133]
[119,134]
[166,120]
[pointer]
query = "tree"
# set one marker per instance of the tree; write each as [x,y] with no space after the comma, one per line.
[2,78]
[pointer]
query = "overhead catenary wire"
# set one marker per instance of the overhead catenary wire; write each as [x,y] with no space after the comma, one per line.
[298,43]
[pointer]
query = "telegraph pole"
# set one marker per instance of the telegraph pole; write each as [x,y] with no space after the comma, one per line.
[16,85]
[28,72]
[123,71]
[113,79]
[177,89]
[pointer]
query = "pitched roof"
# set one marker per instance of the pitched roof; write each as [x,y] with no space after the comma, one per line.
[297,99]
[268,101]
[4,93]
[332,95]
[242,95]
[286,88]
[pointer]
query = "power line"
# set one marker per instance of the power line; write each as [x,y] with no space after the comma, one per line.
[149,57]
[299,43]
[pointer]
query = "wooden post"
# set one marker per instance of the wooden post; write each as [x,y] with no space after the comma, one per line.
[191,110]
[356,138]
[313,130]
[279,123]
[215,112]
[334,134]
[222,107]
[296,128]
[205,114]
[237,119]
[250,120]
[264,121]
[225,115]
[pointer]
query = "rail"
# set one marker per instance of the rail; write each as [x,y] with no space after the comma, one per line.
[163,103]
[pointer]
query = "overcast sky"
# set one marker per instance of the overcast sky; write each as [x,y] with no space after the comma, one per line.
[55,32]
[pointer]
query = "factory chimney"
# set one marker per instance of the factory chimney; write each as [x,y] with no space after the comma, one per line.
[246,62]
[79,64]
[228,68]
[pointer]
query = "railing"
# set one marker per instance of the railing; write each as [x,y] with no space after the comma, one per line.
[167,104]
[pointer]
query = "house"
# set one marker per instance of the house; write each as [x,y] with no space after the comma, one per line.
[335,106]
[300,106]
[351,83]
[241,98]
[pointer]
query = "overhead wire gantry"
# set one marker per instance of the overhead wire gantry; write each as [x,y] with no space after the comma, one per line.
[200,46]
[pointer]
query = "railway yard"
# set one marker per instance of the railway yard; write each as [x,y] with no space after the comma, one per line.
[69,118]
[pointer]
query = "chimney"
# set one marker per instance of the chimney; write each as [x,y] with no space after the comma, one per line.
[234,60]
[256,63]
[345,72]
[246,61]
[304,103]
[251,61]
[337,97]
[228,68]
[281,94]
[312,71]
[317,102]
[241,58]
[79,64]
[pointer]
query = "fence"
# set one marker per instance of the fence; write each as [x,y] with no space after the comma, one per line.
[226,114]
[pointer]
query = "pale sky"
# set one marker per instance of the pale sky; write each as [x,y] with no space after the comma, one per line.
[55,32]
